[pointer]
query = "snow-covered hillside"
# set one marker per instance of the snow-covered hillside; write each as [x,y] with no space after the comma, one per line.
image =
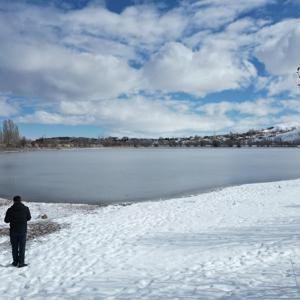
[279,133]
[290,136]
[237,243]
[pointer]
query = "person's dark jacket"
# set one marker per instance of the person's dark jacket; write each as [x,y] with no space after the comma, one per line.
[18,215]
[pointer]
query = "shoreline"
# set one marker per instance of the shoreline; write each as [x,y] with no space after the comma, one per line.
[5,201]
[123,204]
[21,150]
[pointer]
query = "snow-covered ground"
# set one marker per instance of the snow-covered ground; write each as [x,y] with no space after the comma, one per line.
[241,242]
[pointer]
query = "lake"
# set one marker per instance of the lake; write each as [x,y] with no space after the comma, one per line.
[105,176]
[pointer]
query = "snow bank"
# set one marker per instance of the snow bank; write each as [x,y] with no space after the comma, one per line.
[237,243]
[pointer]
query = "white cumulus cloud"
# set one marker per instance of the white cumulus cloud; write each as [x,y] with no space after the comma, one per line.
[214,67]
[6,108]
[278,49]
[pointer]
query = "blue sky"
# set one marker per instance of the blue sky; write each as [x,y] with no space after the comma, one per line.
[148,68]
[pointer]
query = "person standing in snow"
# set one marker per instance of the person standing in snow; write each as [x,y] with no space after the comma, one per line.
[17,216]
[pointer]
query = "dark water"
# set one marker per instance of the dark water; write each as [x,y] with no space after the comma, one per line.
[128,175]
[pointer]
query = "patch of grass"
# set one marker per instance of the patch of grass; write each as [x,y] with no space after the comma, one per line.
[38,229]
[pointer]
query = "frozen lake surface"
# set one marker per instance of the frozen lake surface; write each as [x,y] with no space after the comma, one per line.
[105,176]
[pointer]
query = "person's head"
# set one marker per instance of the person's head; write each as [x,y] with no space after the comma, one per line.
[17,199]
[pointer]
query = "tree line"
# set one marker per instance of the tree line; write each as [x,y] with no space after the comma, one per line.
[10,138]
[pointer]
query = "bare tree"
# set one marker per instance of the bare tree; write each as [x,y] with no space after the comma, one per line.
[10,133]
[1,136]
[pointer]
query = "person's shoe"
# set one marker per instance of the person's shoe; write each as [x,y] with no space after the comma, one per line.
[23,265]
[15,264]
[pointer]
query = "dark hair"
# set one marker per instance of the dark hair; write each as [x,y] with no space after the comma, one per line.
[17,198]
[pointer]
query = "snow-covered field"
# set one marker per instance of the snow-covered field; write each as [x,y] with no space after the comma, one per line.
[237,243]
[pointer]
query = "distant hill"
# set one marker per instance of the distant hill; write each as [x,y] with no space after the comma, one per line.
[276,136]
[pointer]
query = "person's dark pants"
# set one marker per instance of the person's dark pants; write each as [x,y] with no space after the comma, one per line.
[18,242]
